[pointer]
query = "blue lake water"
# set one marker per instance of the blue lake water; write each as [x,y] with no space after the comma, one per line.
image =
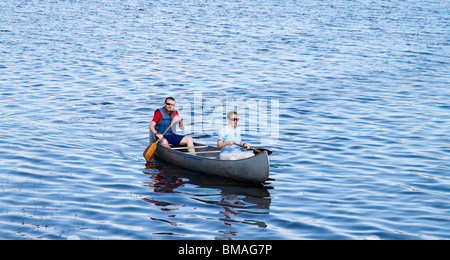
[361,133]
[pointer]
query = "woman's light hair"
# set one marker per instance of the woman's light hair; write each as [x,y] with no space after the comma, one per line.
[229,114]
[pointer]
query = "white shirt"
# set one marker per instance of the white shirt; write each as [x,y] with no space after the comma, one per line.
[230,134]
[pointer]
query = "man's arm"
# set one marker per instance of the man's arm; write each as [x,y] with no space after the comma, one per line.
[153,130]
[152,127]
[177,118]
[156,118]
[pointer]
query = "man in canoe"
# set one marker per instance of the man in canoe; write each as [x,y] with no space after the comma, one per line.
[230,140]
[162,119]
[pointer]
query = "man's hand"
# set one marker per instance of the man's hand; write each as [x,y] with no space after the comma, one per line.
[176,119]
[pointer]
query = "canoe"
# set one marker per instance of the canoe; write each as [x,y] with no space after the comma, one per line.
[206,160]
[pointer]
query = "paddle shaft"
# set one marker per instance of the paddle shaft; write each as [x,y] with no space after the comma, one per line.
[165,131]
[242,146]
[151,149]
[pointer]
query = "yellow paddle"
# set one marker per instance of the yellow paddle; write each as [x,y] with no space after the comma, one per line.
[151,149]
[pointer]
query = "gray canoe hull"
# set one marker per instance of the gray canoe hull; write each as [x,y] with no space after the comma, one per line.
[253,169]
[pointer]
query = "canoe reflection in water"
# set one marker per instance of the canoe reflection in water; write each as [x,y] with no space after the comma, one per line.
[212,201]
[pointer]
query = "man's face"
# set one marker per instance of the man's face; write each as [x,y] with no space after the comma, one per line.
[169,105]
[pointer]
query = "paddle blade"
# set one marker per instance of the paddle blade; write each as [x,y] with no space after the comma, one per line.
[150,152]
[260,150]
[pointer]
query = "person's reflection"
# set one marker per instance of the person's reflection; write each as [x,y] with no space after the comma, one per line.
[235,197]
[162,182]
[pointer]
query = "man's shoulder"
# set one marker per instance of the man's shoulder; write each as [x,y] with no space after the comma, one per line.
[157,116]
[158,112]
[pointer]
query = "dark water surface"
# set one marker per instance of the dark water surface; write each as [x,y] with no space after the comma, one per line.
[359,90]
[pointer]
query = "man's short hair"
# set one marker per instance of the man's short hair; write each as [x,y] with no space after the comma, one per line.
[169,98]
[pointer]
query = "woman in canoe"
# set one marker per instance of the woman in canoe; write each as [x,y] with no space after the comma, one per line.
[230,140]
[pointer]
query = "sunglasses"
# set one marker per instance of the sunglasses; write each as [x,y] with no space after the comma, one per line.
[234,119]
[170,104]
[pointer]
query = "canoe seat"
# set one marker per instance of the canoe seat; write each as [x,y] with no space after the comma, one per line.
[187,147]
